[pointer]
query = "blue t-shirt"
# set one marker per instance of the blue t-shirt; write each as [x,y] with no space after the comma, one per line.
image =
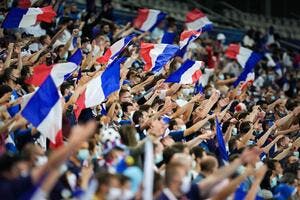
[177,135]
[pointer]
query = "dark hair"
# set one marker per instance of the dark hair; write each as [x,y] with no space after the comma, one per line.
[137,115]
[4,89]
[127,133]
[125,106]
[197,151]
[169,152]
[7,161]
[244,127]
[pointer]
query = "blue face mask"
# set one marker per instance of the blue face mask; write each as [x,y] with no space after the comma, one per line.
[83,154]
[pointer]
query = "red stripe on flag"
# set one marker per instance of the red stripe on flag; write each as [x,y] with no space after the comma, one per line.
[105,58]
[194,15]
[187,34]
[47,15]
[145,54]
[141,18]
[58,141]
[232,51]
[196,76]
[40,73]
[80,105]
[24,4]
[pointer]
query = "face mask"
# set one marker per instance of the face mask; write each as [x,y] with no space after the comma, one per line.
[158,158]
[41,160]
[114,193]
[186,91]
[185,185]
[258,164]
[1,18]
[83,154]
[296,154]
[250,142]
[182,127]
[273,182]
[241,169]
[131,114]
[127,195]
[71,178]
[120,113]
[234,131]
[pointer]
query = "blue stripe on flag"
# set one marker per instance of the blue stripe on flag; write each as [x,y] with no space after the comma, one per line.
[176,76]
[14,17]
[198,88]
[164,57]
[221,143]
[250,64]
[110,79]
[41,102]
[76,57]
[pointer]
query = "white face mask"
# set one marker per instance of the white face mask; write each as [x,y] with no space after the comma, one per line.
[127,195]
[158,158]
[185,185]
[194,164]
[114,193]
[234,131]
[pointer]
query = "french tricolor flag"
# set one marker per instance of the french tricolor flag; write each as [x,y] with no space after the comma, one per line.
[188,73]
[186,37]
[148,19]
[26,17]
[100,87]
[168,38]
[115,50]
[197,20]
[44,110]
[156,56]
[245,57]
[59,71]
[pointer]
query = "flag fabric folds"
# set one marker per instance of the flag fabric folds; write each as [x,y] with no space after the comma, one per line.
[245,57]
[44,109]
[115,50]
[100,87]
[156,56]
[186,37]
[59,71]
[197,20]
[221,143]
[198,88]
[188,73]
[26,17]
[148,19]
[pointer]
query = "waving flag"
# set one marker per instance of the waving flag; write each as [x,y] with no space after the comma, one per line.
[148,19]
[26,3]
[59,72]
[249,80]
[221,143]
[168,38]
[188,73]
[100,87]
[44,109]
[186,37]
[156,56]
[245,57]
[22,18]
[197,20]
[115,50]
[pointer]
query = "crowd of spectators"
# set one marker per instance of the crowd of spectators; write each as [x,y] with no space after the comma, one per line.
[104,150]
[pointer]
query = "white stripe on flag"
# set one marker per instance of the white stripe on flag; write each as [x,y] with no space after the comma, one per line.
[94,93]
[151,19]
[197,24]
[243,56]
[30,17]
